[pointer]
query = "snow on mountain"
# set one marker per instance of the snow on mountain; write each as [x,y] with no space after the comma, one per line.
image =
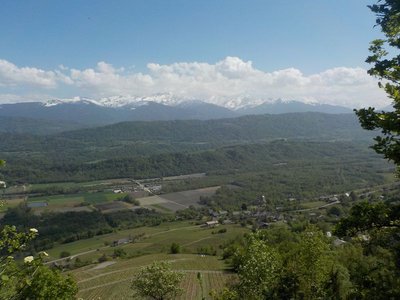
[240,105]
[120,101]
[168,99]
[81,100]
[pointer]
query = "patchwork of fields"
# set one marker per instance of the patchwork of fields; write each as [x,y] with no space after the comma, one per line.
[178,200]
[76,202]
[100,195]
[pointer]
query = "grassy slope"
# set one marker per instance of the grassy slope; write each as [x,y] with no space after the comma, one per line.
[112,282]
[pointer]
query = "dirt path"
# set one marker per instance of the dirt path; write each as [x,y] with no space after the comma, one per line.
[194,242]
[103,265]
[123,270]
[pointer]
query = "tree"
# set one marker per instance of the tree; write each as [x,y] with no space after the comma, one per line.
[64,254]
[387,70]
[49,284]
[175,248]
[29,279]
[312,263]
[158,281]
[258,270]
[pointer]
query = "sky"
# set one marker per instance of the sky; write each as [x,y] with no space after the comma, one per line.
[212,50]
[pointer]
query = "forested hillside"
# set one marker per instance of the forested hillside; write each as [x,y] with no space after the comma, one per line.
[155,149]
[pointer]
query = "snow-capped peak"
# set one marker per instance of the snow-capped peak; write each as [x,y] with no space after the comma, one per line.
[119,101]
[123,101]
[82,100]
[169,99]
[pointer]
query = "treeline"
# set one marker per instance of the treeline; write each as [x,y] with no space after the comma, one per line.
[252,157]
[71,226]
[146,137]
[305,181]
[247,128]
[285,263]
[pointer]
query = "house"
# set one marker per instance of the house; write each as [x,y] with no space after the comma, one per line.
[211,224]
[120,242]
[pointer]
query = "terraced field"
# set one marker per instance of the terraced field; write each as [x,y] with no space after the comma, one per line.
[152,240]
[113,281]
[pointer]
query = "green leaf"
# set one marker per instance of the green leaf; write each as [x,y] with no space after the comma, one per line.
[5,277]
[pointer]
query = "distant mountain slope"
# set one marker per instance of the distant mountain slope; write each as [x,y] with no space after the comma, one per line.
[247,128]
[142,138]
[205,111]
[140,147]
[83,112]
[322,156]
[90,112]
[281,107]
[36,126]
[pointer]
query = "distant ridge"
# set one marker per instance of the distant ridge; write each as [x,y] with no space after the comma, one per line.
[282,107]
[88,112]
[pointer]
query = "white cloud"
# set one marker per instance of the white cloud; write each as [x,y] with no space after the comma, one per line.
[12,75]
[228,82]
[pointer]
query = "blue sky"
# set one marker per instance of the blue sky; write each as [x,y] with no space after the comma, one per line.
[311,36]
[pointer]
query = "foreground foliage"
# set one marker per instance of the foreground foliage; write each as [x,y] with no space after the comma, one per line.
[157,281]
[280,264]
[385,59]
[29,278]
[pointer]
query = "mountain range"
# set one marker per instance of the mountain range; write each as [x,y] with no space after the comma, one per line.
[60,115]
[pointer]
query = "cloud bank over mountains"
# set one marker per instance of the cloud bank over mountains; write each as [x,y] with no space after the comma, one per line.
[230,82]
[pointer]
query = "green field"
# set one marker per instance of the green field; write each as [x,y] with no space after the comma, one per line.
[111,280]
[9,203]
[312,204]
[73,200]
[100,241]
[152,240]
[105,182]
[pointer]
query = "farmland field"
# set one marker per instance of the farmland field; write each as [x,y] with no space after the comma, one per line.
[178,200]
[152,240]
[62,202]
[8,203]
[113,281]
